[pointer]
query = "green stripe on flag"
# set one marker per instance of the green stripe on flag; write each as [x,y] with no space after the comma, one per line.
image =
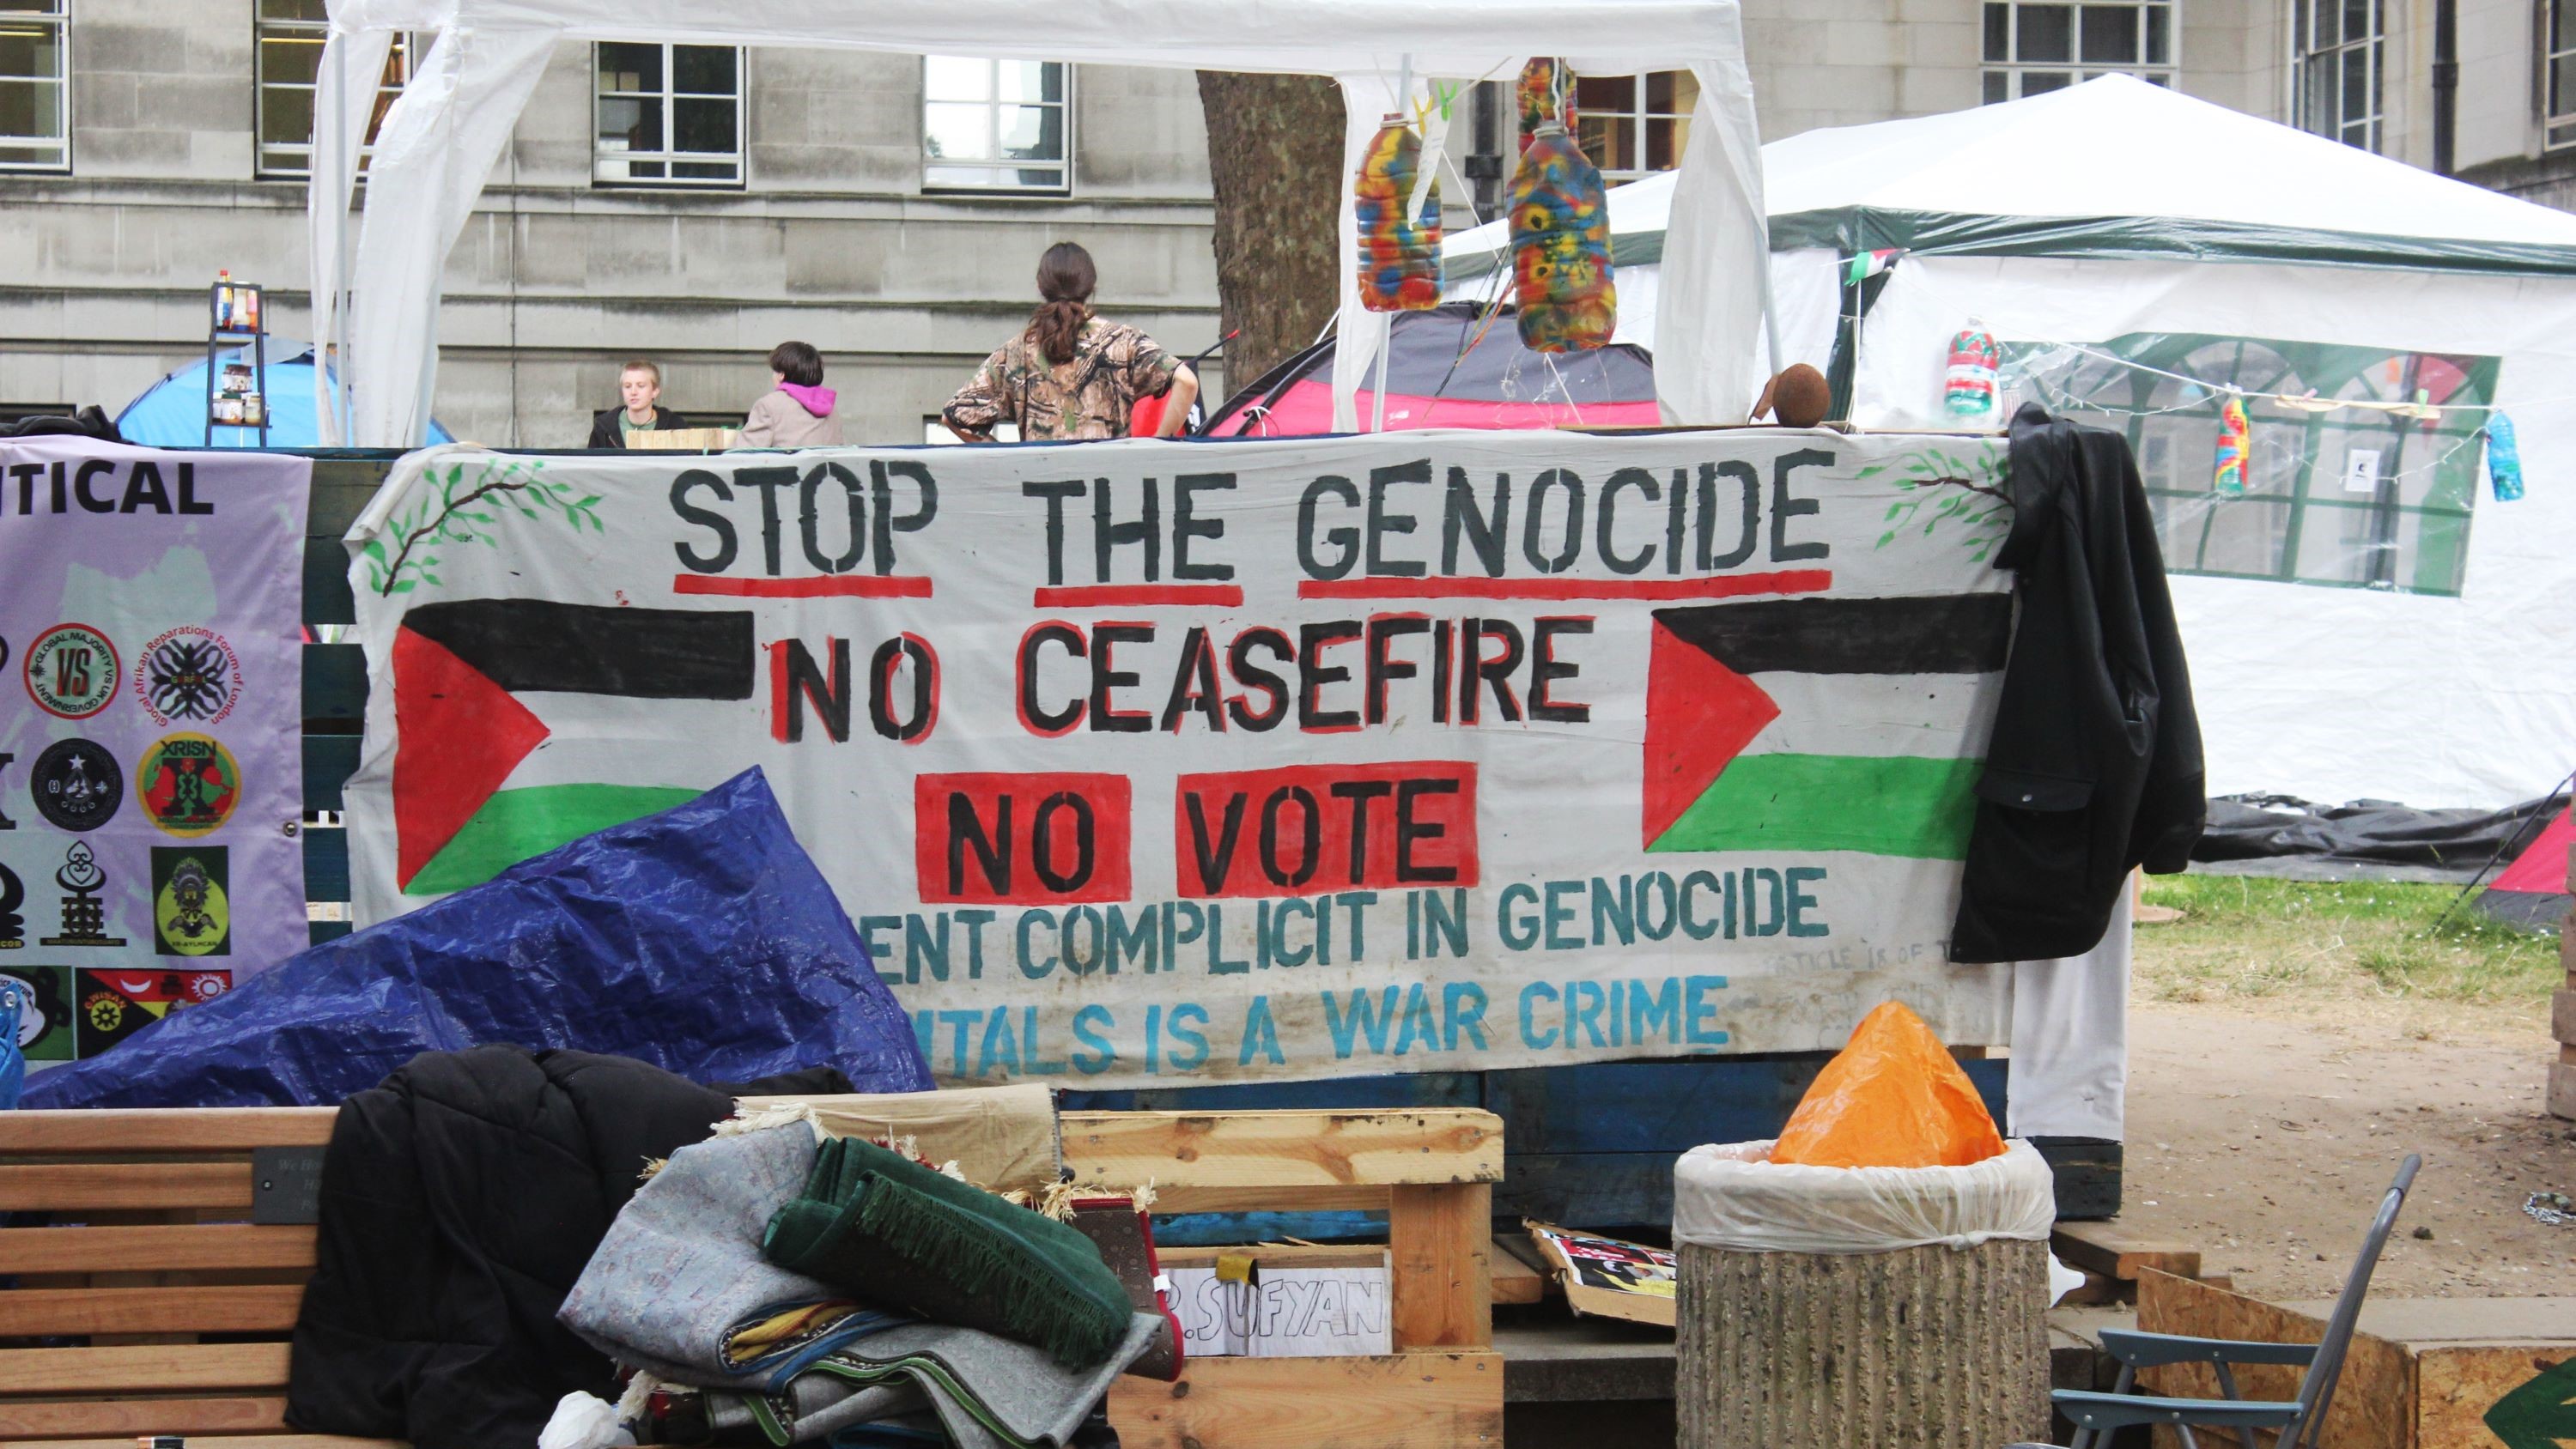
[515,825]
[1880,804]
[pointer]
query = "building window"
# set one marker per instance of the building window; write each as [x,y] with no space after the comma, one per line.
[2337,55]
[290,34]
[34,79]
[669,115]
[2034,49]
[1630,125]
[2558,76]
[996,125]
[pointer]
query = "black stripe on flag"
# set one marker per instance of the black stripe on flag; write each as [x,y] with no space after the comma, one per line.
[536,645]
[1942,634]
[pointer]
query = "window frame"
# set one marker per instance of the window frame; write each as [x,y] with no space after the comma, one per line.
[407,47]
[60,19]
[2373,48]
[670,95]
[1639,122]
[2003,79]
[993,109]
[2557,126]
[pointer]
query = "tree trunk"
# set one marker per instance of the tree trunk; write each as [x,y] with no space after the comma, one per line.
[1275,155]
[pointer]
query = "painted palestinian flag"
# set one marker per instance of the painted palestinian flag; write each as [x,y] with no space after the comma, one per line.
[460,669]
[1821,724]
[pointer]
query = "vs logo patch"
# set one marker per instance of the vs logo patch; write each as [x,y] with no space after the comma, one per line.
[188,676]
[192,911]
[188,784]
[71,671]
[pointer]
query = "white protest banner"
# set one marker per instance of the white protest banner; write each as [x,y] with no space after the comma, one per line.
[151,714]
[1141,762]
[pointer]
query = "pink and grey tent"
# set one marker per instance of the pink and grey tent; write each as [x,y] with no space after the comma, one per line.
[1452,367]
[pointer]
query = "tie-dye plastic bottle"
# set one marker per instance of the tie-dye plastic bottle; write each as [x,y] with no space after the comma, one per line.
[2235,445]
[1399,258]
[1561,247]
[1545,92]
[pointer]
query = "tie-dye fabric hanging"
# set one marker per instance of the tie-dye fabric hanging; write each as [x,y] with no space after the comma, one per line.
[1399,257]
[1561,247]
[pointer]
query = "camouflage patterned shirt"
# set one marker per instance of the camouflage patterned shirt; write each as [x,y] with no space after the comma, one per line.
[1090,397]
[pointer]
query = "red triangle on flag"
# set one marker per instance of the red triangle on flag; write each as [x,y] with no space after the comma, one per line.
[460,736]
[1699,716]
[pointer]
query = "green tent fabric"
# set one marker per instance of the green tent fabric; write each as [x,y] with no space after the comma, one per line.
[877,1224]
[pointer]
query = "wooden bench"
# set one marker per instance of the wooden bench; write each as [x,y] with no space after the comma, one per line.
[187,1305]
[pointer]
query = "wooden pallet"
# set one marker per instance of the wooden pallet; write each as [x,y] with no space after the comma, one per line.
[162,1259]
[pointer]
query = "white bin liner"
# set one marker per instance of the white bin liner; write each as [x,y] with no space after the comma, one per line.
[1733,1196]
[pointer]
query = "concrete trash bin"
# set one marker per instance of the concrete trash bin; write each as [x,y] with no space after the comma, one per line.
[1888,1307]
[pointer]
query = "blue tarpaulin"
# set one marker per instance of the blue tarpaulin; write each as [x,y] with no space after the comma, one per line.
[701,940]
[171,413]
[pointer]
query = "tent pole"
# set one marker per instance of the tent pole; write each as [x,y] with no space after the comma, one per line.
[338,342]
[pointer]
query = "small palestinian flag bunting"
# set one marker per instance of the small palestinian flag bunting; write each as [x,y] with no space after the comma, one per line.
[1861,268]
[460,669]
[1782,724]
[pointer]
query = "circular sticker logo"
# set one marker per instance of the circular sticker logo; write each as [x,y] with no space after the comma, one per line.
[205,986]
[71,671]
[77,784]
[192,911]
[188,676]
[188,784]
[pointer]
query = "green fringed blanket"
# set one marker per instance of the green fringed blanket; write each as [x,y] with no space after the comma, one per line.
[874,1223]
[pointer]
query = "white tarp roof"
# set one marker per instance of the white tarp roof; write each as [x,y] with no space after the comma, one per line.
[2116,147]
[442,136]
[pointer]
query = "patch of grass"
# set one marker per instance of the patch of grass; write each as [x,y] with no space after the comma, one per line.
[2244,937]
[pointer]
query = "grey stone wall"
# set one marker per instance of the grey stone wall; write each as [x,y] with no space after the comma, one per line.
[553,283]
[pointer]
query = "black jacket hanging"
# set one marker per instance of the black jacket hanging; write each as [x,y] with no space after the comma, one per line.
[2094,767]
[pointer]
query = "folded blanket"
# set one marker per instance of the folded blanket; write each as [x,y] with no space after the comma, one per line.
[876,1225]
[679,1288]
[989,1392]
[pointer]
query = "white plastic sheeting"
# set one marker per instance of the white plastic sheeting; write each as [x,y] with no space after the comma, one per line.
[1733,1196]
[449,125]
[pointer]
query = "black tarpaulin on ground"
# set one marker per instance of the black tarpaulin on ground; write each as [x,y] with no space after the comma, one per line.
[2450,845]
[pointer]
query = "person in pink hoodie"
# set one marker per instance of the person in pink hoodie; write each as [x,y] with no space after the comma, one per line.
[799,413]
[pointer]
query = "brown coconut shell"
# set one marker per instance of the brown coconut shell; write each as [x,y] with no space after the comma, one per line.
[1797,398]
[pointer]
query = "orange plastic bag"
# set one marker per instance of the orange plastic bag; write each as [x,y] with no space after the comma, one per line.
[1892,1097]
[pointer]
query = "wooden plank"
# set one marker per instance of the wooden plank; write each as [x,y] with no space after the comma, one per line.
[1284,1149]
[1367,1094]
[266,1309]
[1515,1281]
[1601,1190]
[1401,1401]
[2456,1384]
[166,1129]
[2114,1251]
[2374,1399]
[247,1415]
[327,598]
[335,682]
[329,761]
[326,864]
[125,1185]
[1440,1240]
[2562,1016]
[342,489]
[1281,1255]
[156,1367]
[1364,1198]
[146,1249]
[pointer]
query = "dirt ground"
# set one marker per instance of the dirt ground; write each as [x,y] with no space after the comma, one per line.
[2264,1132]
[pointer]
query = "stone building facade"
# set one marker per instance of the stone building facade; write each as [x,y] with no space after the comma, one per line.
[696,205]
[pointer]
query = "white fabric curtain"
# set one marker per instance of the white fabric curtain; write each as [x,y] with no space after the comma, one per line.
[344,98]
[457,112]
[2070,1040]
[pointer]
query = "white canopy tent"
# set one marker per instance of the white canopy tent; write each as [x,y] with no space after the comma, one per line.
[440,140]
[2139,253]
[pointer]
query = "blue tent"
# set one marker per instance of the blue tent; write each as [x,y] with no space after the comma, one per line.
[171,413]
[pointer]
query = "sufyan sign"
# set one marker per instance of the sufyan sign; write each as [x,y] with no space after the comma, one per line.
[1144,761]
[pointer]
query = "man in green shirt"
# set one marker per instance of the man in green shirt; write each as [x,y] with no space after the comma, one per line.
[639,384]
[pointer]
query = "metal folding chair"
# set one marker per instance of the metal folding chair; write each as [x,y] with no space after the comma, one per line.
[2300,1421]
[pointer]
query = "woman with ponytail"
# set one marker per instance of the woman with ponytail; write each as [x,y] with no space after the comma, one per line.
[1070,375]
